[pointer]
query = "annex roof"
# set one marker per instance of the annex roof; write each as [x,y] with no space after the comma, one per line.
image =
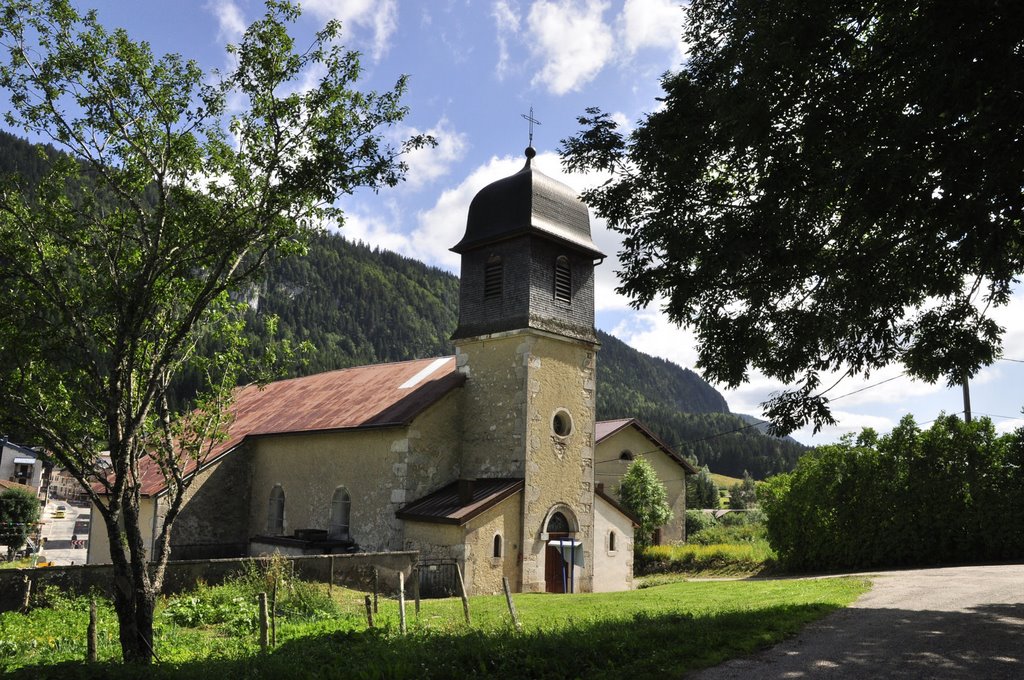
[445,506]
[380,395]
[601,493]
[604,429]
[4,485]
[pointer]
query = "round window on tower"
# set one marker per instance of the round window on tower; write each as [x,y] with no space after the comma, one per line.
[561,423]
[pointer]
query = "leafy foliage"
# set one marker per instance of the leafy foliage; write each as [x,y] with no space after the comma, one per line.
[120,261]
[19,511]
[697,521]
[644,495]
[702,491]
[743,495]
[952,493]
[826,190]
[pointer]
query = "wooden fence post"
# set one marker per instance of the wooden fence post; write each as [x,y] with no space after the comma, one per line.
[264,626]
[511,605]
[27,595]
[273,617]
[462,591]
[376,583]
[369,612]
[416,588]
[91,641]
[401,602]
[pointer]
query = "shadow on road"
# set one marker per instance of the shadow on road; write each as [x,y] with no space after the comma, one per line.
[983,642]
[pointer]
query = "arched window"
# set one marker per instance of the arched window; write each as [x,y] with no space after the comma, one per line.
[275,511]
[611,541]
[558,524]
[626,455]
[563,279]
[341,510]
[493,278]
[497,546]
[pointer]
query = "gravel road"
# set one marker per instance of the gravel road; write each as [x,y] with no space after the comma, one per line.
[960,622]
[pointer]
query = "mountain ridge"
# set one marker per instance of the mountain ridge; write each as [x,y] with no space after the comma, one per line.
[358,305]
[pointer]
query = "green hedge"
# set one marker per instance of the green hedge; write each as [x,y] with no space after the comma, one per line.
[950,494]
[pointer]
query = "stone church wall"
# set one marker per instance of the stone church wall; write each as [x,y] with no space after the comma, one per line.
[494,405]
[559,470]
[309,467]
[484,571]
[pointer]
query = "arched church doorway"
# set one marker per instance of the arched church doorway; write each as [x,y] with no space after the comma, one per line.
[562,552]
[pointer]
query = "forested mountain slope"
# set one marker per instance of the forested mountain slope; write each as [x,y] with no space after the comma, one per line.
[358,305]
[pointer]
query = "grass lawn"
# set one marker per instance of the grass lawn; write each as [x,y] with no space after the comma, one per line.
[665,630]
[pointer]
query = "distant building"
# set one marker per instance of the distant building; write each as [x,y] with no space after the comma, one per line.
[485,459]
[21,465]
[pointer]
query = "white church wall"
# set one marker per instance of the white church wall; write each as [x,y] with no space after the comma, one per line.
[613,548]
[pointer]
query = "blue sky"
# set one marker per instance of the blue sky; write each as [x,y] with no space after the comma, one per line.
[475,67]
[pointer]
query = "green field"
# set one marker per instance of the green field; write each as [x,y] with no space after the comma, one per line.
[662,631]
[724,481]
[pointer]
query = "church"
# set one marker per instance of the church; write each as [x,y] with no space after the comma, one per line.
[490,459]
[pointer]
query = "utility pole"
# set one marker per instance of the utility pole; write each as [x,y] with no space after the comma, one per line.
[967,398]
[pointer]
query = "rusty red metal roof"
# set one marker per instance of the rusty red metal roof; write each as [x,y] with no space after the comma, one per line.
[606,428]
[381,395]
[4,484]
[445,506]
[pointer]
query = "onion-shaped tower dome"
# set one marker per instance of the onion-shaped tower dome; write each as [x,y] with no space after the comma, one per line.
[527,259]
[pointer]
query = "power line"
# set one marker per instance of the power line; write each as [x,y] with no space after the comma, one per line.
[868,387]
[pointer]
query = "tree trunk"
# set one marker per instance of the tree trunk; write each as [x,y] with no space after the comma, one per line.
[134,607]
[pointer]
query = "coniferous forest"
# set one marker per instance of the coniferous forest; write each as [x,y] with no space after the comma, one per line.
[358,305]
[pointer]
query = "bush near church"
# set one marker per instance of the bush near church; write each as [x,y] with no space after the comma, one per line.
[950,494]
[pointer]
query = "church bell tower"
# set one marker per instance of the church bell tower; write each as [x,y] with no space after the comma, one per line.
[527,344]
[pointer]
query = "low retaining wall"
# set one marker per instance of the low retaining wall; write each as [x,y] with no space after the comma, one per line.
[354,570]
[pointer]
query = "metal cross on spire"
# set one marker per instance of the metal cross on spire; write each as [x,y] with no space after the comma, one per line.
[533,121]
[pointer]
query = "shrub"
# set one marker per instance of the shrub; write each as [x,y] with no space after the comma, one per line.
[697,521]
[953,493]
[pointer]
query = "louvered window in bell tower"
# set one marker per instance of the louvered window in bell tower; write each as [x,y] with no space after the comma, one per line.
[563,279]
[493,275]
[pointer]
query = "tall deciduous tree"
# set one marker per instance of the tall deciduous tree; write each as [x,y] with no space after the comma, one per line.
[177,186]
[828,187]
[19,512]
[643,493]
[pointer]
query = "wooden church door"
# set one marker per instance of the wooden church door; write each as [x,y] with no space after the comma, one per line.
[556,576]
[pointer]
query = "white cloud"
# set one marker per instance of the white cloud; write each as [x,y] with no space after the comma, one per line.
[230,22]
[379,229]
[378,16]
[653,23]
[506,21]
[443,225]
[652,333]
[428,164]
[1008,426]
[572,40]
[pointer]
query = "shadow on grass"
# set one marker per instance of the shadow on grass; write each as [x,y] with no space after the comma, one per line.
[664,646]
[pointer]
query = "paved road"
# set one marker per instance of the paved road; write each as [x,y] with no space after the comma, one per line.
[962,622]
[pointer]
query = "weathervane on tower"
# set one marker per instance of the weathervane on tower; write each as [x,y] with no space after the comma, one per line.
[533,121]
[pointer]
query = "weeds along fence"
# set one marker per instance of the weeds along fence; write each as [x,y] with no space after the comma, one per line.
[355,570]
